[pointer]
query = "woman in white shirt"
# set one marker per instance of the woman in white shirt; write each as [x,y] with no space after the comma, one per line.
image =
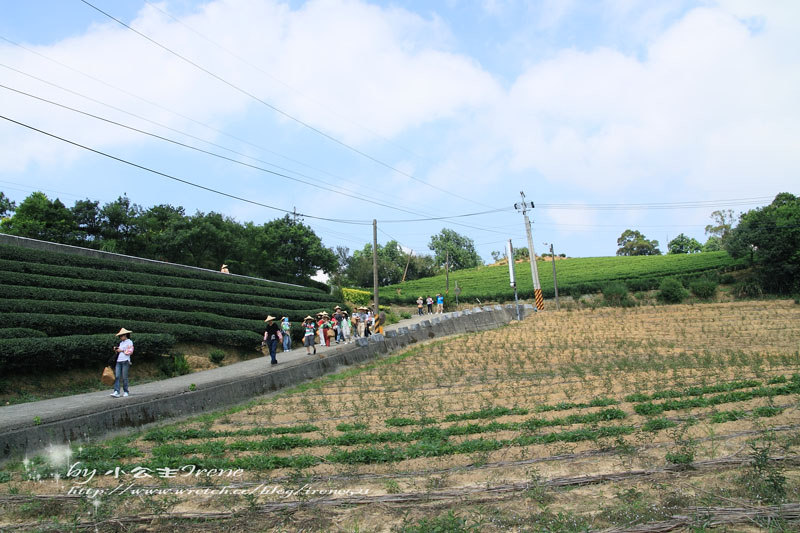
[124,353]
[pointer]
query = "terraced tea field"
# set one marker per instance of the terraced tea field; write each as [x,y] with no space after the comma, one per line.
[657,418]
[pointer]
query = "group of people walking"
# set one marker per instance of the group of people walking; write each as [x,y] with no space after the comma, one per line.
[339,328]
[429,302]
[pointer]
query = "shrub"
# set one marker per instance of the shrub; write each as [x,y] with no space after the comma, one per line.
[174,365]
[74,351]
[727,279]
[575,292]
[356,296]
[747,289]
[216,356]
[21,333]
[405,314]
[671,291]
[704,288]
[616,294]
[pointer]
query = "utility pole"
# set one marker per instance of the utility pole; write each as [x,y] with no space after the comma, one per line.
[537,288]
[555,280]
[406,270]
[375,262]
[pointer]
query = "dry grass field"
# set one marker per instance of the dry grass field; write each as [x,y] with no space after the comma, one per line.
[653,418]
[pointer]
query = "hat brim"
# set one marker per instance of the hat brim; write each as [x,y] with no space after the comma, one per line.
[269,317]
[123,331]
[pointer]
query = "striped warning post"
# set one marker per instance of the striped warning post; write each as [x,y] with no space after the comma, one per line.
[537,293]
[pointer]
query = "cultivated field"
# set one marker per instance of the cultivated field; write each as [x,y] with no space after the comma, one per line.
[666,417]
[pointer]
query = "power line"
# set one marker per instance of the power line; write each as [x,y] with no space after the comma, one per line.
[274,108]
[213,154]
[181,180]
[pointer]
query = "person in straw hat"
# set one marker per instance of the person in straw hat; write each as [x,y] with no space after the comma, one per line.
[124,352]
[308,335]
[272,334]
[224,269]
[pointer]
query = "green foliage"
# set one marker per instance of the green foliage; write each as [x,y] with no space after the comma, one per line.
[769,238]
[616,294]
[6,206]
[634,243]
[74,351]
[704,288]
[356,296]
[174,364]
[656,424]
[21,333]
[748,288]
[216,356]
[671,291]
[450,246]
[166,233]
[684,245]
[405,314]
[581,275]
[764,480]
[445,523]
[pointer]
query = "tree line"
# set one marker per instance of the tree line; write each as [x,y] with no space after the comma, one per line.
[283,249]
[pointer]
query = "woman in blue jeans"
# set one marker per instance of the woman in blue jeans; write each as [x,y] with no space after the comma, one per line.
[286,331]
[124,353]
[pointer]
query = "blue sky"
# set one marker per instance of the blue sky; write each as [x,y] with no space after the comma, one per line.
[420,109]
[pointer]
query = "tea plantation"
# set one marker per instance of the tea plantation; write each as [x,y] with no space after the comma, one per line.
[59,308]
[575,276]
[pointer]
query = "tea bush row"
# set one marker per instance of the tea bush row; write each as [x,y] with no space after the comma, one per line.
[58,325]
[32,354]
[27,255]
[37,287]
[139,278]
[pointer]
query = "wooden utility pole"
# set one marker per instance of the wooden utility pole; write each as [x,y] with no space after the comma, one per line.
[375,262]
[406,270]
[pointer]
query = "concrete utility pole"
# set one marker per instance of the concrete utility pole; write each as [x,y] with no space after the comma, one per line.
[555,280]
[375,262]
[406,270]
[537,288]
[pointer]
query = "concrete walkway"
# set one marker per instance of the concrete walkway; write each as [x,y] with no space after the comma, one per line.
[30,427]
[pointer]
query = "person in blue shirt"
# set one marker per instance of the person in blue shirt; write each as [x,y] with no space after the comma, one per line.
[439,303]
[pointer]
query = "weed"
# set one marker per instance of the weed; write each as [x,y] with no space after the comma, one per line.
[763,480]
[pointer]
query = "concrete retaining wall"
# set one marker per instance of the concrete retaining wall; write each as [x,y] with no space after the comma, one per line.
[29,428]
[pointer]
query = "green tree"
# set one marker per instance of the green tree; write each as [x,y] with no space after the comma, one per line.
[391,263]
[713,244]
[684,245]
[723,222]
[37,217]
[289,250]
[87,216]
[457,249]
[521,253]
[634,243]
[769,238]
[118,226]
[6,206]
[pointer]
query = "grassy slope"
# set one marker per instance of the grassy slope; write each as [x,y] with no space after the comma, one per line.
[589,274]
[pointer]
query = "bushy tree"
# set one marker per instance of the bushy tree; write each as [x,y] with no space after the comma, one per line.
[455,248]
[713,244]
[634,243]
[6,206]
[769,238]
[38,217]
[684,245]
[723,222]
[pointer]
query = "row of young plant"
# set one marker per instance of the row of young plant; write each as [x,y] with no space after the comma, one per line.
[35,287]
[649,408]
[28,255]
[222,284]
